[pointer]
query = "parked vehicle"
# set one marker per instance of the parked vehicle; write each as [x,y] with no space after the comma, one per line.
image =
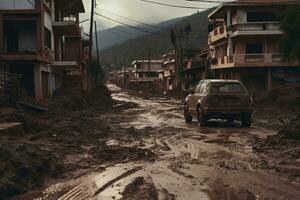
[219,99]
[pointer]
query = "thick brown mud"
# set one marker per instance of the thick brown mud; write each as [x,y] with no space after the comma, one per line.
[151,153]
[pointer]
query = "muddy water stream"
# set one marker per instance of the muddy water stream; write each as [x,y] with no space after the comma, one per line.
[215,162]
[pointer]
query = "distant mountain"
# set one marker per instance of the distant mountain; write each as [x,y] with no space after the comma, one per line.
[124,52]
[119,34]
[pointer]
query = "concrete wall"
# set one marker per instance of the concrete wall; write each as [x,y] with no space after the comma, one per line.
[241,16]
[48,25]
[54,80]
[270,44]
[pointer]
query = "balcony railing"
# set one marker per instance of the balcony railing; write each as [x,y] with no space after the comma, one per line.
[268,59]
[218,33]
[46,55]
[262,26]
[254,57]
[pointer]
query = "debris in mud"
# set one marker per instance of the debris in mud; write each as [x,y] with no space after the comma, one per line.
[220,191]
[27,159]
[276,109]
[284,151]
[140,189]
[24,166]
[176,168]
[119,154]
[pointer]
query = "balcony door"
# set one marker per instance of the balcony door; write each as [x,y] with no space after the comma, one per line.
[254,48]
[254,52]
[12,41]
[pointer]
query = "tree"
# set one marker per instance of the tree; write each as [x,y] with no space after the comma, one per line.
[290,42]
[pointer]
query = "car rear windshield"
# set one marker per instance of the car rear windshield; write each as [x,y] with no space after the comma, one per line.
[227,88]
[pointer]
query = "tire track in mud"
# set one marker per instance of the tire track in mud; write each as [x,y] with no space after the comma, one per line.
[194,163]
[89,189]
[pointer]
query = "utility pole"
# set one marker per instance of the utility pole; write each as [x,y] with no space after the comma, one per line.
[98,78]
[97,44]
[89,77]
[149,65]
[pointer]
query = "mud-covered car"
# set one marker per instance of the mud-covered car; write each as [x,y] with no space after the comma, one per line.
[219,99]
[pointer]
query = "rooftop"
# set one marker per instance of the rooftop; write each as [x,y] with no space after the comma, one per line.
[252,3]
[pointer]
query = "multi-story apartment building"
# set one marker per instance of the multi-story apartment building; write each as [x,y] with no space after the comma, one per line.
[245,39]
[169,67]
[147,70]
[195,69]
[42,41]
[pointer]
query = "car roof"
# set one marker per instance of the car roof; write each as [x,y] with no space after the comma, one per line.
[220,81]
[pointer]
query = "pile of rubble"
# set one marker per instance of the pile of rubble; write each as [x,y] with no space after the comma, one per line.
[69,138]
[280,109]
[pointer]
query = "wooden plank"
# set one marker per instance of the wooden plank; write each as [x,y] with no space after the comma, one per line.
[32,107]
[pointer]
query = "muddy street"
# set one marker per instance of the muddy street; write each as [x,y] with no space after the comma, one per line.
[190,162]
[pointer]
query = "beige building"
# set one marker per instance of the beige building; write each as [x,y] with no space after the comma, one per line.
[170,73]
[244,38]
[147,71]
[41,40]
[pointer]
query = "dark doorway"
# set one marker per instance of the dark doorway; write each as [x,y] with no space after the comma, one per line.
[254,48]
[12,41]
[27,72]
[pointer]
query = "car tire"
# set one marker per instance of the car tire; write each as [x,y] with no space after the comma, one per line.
[187,117]
[202,119]
[246,119]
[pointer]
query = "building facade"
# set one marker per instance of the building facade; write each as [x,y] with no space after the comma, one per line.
[147,70]
[244,38]
[170,74]
[42,41]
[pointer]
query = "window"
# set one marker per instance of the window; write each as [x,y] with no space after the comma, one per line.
[227,88]
[254,48]
[197,90]
[261,16]
[47,38]
[12,41]
[202,89]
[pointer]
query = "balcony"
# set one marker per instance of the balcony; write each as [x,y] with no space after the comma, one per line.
[218,33]
[43,56]
[168,73]
[68,26]
[251,60]
[67,60]
[261,28]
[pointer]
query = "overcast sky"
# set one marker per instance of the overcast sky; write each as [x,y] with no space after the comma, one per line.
[141,11]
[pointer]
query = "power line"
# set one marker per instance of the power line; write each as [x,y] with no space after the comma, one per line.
[154,26]
[123,36]
[84,21]
[133,27]
[146,31]
[209,1]
[174,6]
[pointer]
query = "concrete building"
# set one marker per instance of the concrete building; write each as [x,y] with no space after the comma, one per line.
[147,71]
[169,67]
[244,37]
[42,41]
[195,69]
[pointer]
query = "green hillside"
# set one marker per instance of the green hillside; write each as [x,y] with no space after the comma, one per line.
[158,45]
